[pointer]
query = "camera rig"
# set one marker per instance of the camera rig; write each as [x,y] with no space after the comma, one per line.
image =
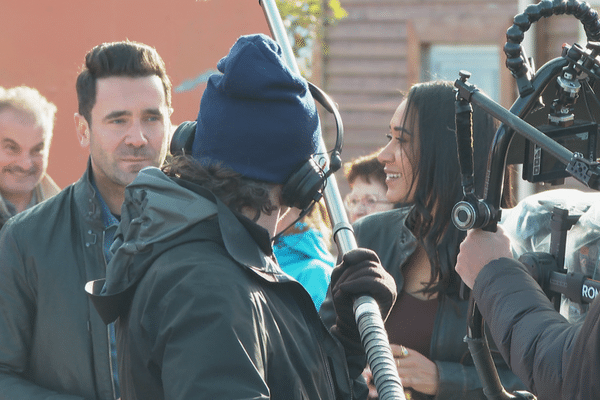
[563,142]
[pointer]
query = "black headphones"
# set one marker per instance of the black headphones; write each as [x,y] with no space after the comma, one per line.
[304,186]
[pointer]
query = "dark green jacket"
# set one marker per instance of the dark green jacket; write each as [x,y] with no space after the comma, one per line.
[53,344]
[387,234]
[204,311]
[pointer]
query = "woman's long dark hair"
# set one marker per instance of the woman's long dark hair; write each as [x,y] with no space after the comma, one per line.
[436,175]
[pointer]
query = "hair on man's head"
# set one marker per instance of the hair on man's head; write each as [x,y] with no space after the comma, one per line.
[118,59]
[29,103]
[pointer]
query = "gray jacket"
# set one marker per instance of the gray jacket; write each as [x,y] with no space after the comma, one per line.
[53,343]
[203,309]
[556,359]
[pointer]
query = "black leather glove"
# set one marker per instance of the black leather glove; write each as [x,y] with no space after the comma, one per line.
[360,273]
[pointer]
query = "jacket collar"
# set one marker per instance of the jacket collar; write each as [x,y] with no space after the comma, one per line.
[46,188]
[240,235]
[387,234]
[158,211]
[86,199]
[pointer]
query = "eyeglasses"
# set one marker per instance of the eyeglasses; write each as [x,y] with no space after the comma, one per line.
[368,201]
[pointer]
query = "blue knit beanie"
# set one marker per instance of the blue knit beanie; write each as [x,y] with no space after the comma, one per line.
[257,118]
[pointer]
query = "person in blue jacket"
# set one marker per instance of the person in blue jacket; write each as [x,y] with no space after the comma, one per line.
[302,250]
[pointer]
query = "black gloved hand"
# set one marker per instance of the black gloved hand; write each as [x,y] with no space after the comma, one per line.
[360,273]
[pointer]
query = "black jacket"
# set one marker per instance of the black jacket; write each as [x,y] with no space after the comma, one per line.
[53,344]
[203,309]
[387,234]
[556,359]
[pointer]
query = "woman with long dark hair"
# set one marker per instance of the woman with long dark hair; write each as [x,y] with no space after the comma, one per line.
[418,244]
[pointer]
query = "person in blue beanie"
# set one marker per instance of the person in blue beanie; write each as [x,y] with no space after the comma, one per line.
[202,308]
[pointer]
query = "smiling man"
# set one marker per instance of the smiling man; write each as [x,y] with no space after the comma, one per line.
[54,344]
[26,124]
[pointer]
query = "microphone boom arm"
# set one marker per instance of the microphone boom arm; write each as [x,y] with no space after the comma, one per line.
[367,313]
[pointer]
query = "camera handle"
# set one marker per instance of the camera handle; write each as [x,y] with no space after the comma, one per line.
[542,266]
[472,213]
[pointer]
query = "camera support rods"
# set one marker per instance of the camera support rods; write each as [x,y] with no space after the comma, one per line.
[367,313]
[468,215]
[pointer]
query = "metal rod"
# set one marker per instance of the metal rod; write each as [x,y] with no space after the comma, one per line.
[522,127]
[367,314]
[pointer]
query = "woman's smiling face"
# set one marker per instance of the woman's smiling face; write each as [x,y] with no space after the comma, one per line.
[398,155]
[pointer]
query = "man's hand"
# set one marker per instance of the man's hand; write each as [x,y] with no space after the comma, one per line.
[477,250]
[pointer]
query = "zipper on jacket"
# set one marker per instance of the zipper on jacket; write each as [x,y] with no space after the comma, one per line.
[346,369]
[110,363]
[328,369]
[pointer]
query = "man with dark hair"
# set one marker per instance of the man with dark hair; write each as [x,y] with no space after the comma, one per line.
[53,344]
[26,125]
[203,308]
[117,74]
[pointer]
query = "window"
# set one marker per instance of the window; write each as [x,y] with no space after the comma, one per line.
[482,61]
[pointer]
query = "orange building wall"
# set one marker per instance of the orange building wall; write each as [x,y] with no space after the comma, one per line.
[43,44]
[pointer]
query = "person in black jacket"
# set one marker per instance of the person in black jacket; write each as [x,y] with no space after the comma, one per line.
[53,344]
[556,359]
[203,309]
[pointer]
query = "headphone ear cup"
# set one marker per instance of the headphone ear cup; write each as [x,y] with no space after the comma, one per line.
[303,186]
[183,138]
